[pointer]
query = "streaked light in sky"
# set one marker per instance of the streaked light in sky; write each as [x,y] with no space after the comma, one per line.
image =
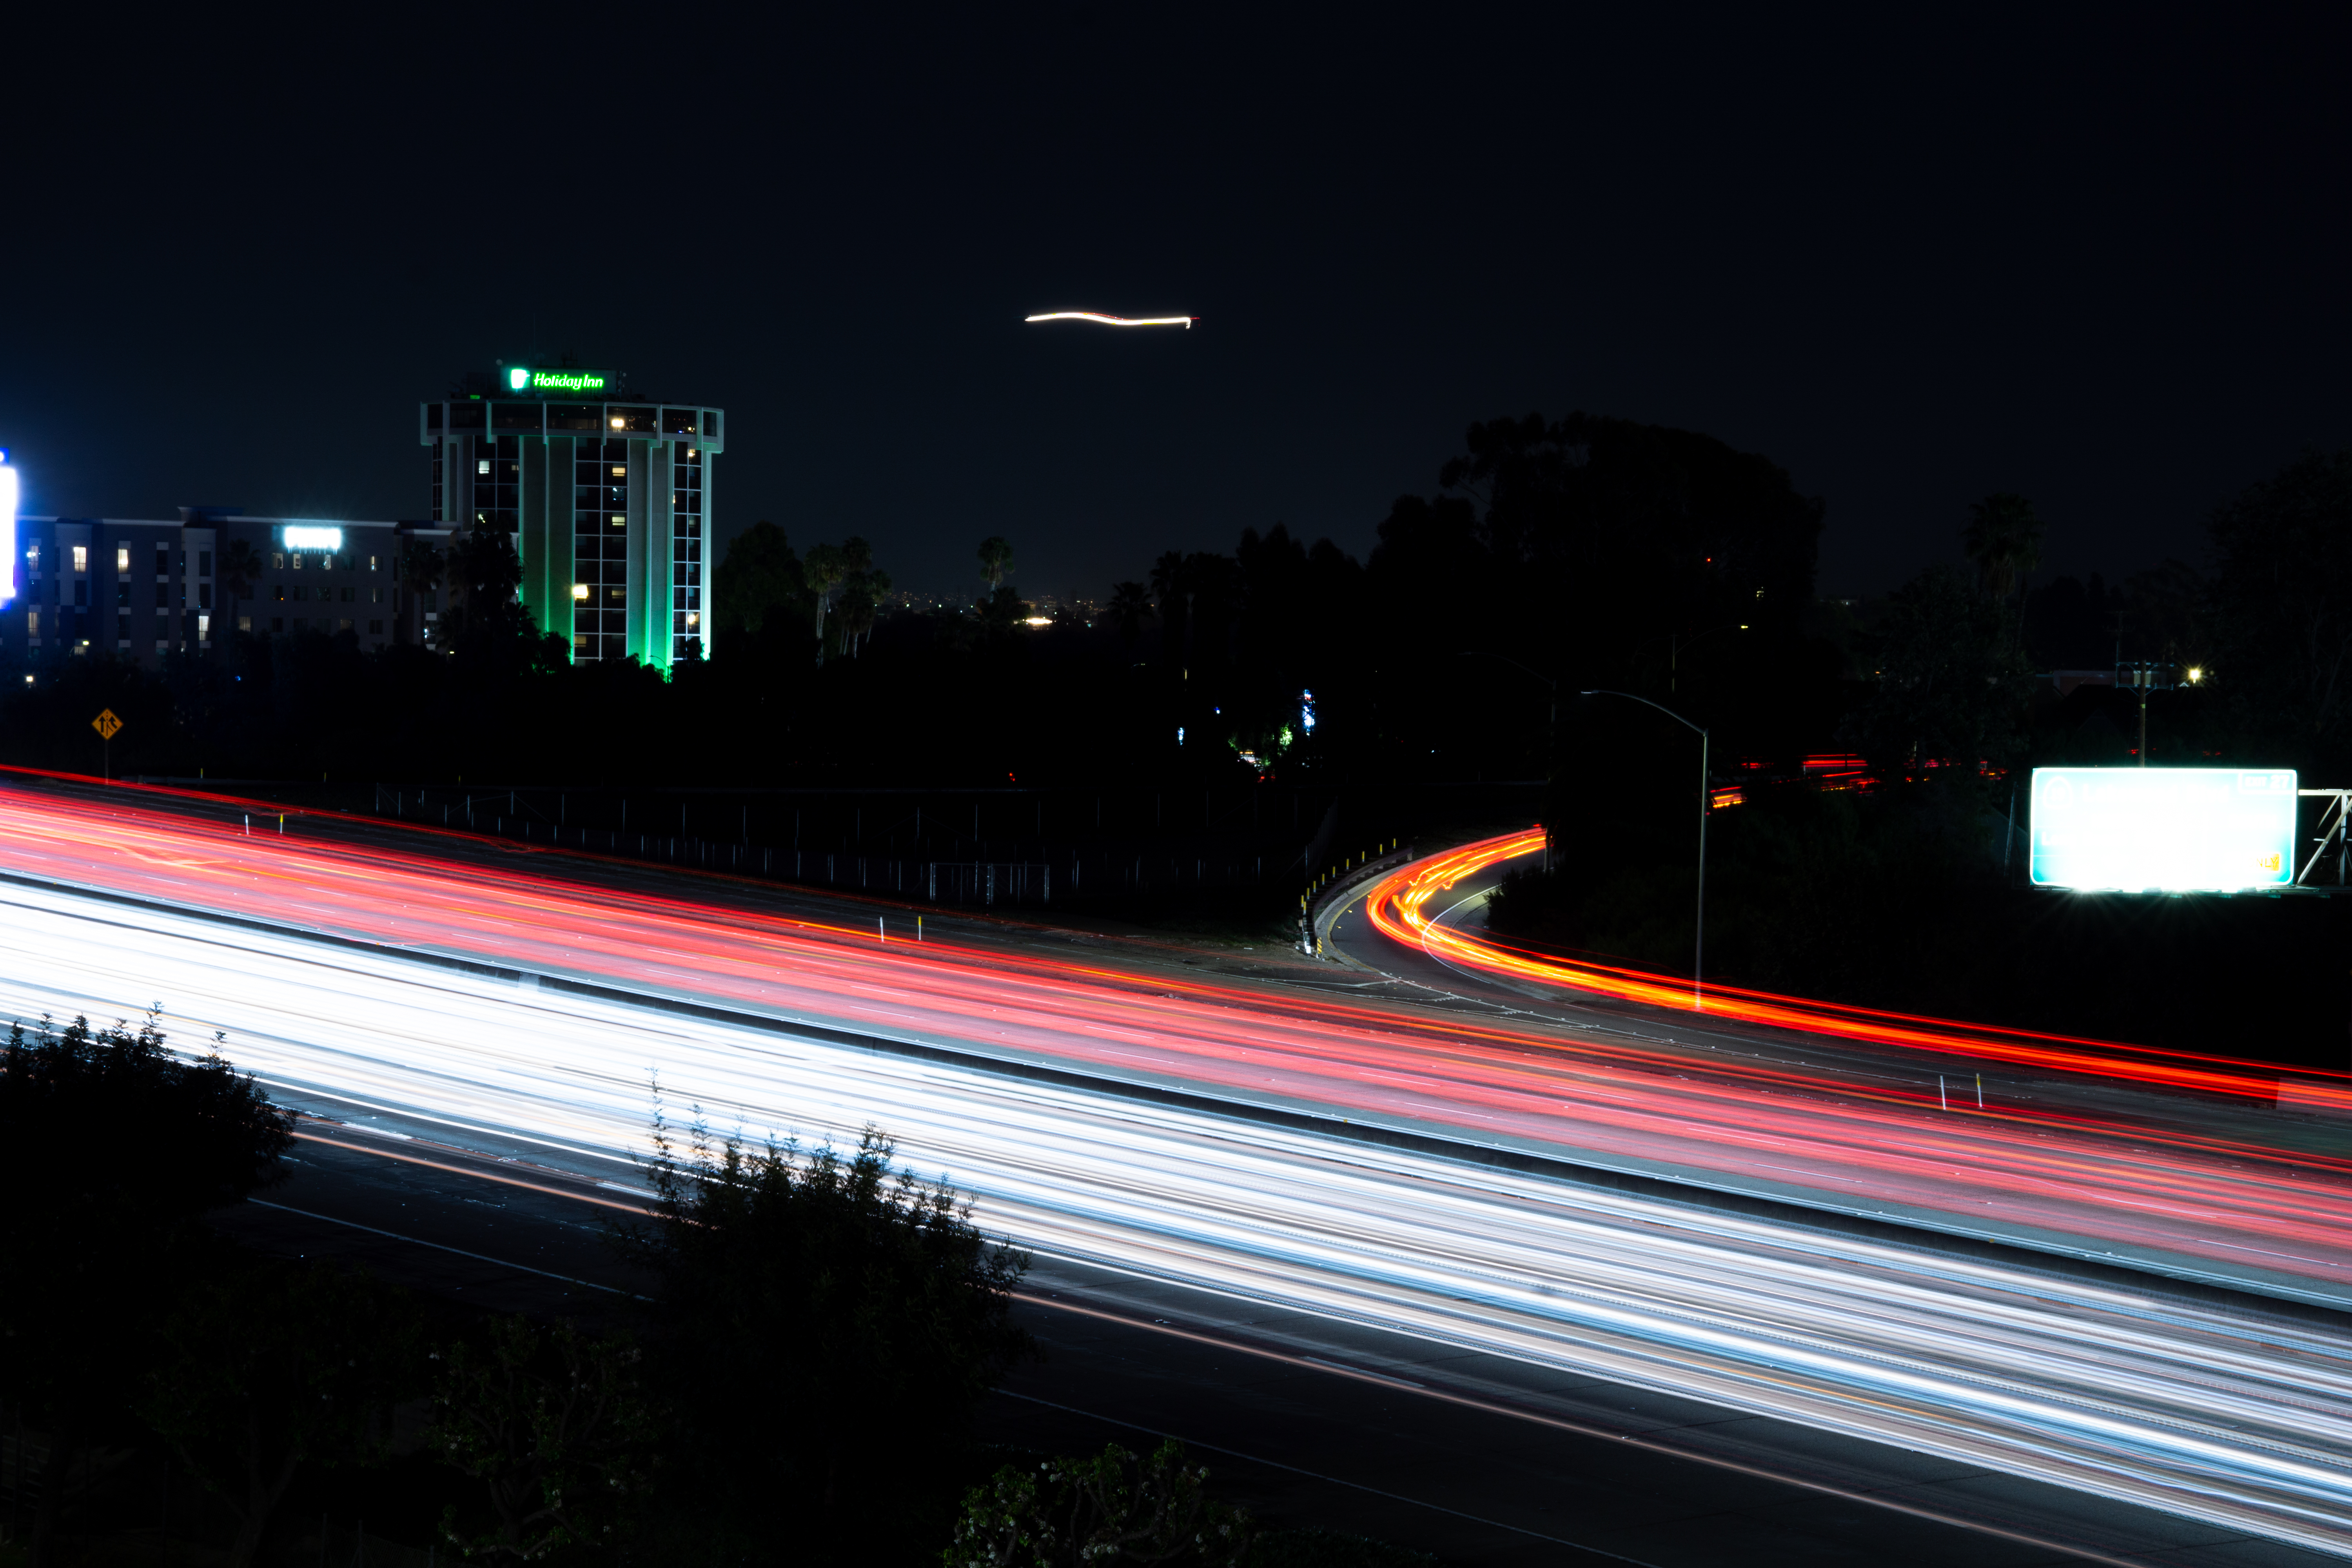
[1096,317]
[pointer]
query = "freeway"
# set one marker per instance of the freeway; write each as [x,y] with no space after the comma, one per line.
[2231,1208]
[1431,1177]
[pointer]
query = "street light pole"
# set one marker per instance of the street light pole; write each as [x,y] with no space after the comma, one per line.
[1698,935]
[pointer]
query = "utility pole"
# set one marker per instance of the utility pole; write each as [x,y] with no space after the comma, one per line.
[2142,678]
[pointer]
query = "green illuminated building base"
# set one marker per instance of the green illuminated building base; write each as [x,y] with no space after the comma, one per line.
[610,504]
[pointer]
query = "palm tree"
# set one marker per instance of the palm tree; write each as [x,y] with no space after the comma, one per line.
[417,571]
[1130,606]
[822,569]
[995,561]
[861,603]
[240,563]
[2003,539]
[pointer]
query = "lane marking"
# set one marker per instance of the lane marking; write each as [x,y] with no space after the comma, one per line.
[439,1247]
[1561,1424]
[1332,1480]
[477,1176]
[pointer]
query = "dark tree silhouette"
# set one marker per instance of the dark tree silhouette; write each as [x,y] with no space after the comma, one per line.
[808,1282]
[83,1240]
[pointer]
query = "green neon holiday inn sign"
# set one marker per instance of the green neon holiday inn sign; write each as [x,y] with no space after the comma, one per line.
[521,379]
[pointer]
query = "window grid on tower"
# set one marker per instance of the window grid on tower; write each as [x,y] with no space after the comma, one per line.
[685,551]
[600,540]
[498,482]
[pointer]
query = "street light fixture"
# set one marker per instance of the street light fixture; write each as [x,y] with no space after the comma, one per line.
[1706,802]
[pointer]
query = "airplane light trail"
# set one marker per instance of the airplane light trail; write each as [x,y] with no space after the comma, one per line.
[1184,321]
[2238,1417]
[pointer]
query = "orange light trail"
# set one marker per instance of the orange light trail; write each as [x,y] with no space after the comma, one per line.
[1397,907]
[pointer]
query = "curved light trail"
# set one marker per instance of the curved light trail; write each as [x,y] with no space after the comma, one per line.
[2234,1416]
[1101,319]
[1397,907]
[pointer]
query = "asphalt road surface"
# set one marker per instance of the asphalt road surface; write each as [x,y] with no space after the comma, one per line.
[1482,1460]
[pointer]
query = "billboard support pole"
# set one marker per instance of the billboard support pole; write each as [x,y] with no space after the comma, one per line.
[2333,821]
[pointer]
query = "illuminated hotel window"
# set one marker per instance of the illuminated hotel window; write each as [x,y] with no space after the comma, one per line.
[33,556]
[81,557]
[122,558]
[278,563]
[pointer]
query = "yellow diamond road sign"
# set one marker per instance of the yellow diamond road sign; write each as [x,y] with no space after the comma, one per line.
[105,723]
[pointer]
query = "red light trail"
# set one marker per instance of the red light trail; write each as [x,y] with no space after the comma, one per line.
[2217,1205]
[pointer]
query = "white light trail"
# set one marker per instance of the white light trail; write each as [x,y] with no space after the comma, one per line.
[1096,317]
[2230,1416]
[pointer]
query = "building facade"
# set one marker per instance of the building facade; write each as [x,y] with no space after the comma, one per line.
[144,589]
[609,499]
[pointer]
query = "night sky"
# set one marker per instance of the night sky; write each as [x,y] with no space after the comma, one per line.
[1911,259]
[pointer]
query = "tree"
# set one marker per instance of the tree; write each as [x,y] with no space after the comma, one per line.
[822,569]
[862,594]
[995,561]
[82,1240]
[273,1365]
[240,565]
[2282,611]
[484,575]
[1950,682]
[556,1425]
[863,586]
[760,572]
[1116,1507]
[1130,606]
[1603,551]
[2003,540]
[418,572]
[792,1284]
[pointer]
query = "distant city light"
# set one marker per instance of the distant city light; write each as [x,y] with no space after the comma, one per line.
[2195,675]
[1038,621]
[327,539]
[1306,712]
[1180,734]
[1184,321]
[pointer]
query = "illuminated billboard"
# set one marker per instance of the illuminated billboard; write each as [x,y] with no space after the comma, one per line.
[327,539]
[2163,829]
[7,530]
